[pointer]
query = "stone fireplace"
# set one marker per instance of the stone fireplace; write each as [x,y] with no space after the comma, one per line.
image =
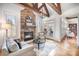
[28,25]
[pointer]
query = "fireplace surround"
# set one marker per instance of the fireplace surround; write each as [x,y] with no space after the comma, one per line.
[28,36]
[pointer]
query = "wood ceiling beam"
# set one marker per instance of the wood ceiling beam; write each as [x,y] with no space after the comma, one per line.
[71,17]
[26,5]
[41,6]
[35,5]
[57,7]
[36,8]
[46,9]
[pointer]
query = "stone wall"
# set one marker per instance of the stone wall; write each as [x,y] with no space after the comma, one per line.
[25,13]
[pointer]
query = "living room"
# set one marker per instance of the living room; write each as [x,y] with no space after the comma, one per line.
[39,29]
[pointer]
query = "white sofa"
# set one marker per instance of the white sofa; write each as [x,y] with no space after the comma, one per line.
[4,49]
[24,52]
[27,50]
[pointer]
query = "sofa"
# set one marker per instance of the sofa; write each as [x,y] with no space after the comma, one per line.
[26,50]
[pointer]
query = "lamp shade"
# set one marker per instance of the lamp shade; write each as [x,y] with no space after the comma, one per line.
[6,26]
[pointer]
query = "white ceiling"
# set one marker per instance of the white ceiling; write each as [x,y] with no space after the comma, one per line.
[70,9]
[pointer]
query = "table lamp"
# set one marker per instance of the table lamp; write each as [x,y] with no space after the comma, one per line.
[6,26]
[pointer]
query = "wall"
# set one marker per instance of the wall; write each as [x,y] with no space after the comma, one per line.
[1,31]
[39,23]
[63,27]
[57,22]
[70,9]
[78,33]
[54,16]
[57,25]
[10,9]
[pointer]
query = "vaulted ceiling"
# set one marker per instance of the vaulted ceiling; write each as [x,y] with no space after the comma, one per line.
[41,8]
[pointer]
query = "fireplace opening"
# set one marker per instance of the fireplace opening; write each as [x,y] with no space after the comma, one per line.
[28,36]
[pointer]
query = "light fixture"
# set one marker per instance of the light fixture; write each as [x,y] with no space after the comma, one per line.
[6,26]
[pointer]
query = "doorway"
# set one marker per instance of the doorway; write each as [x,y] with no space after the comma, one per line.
[72,31]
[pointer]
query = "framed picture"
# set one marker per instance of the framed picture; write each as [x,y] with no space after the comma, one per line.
[10,19]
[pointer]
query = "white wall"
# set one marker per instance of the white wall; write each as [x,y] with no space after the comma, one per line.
[10,9]
[39,23]
[63,26]
[78,33]
[57,24]
[1,31]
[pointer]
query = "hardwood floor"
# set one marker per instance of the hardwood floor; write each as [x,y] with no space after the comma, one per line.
[0,52]
[68,47]
[65,48]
